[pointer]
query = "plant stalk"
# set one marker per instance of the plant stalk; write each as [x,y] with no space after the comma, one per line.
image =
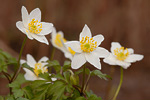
[119,86]
[83,80]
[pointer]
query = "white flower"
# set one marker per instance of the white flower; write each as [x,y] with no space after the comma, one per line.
[121,56]
[39,67]
[59,41]
[32,26]
[87,49]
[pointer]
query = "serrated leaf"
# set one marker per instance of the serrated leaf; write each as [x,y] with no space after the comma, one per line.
[21,98]
[18,93]
[66,66]
[87,71]
[80,98]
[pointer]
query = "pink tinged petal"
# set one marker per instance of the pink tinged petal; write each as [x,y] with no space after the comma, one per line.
[40,38]
[46,28]
[85,32]
[101,52]
[78,60]
[21,27]
[114,45]
[31,61]
[36,14]
[98,39]
[134,58]
[93,59]
[130,50]
[25,16]
[74,45]
[29,75]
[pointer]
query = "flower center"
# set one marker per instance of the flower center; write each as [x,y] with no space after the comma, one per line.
[121,53]
[39,69]
[71,51]
[88,45]
[35,26]
[58,40]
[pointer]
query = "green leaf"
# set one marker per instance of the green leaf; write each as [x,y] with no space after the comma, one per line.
[1,98]
[28,92]
[94,97]
[87,71]
[100,74]
[55,64]
[21,98]
[81,98]
[66,66]
[45,76]
[18,93]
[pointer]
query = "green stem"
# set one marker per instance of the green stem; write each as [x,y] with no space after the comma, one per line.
[83,80]
[18,64]
[52,54]
[121,80]
[87,81]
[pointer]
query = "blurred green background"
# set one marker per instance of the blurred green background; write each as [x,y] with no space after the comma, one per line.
[124,21]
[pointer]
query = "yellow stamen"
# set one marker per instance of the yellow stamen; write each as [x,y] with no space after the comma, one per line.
[121,53]
[71,51]
[58,40]
[88,45]
[35,27]
[39,69]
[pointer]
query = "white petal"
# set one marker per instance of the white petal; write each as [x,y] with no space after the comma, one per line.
[61,33]
[134,58]
[93,59]
[36,14]
[29,35]
[53,35]
[131,51]
[46,28]
[114,45]
[98,39]
[68,55]
[40,38]
[54,79]
[29,75]
[111,60]
[85,32]
[101,52]
[78,60]
[74,45]
[22,61]
[25,16]
[123,64]
[21,27]
[30,61]
[43,59]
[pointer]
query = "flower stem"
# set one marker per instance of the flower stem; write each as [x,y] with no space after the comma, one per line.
[87,81]
[18,64]
[83,80]
[121,80]
[52,54]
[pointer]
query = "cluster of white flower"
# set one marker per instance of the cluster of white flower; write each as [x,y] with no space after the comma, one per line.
[79,52]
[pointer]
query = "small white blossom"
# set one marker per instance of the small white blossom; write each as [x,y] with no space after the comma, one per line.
[121,56]
[87,49]
[32,26]
[38,68]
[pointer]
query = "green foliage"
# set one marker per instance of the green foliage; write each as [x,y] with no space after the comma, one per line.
[5,60]
[100,74]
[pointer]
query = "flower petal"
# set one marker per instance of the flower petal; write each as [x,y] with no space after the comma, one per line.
[98,39]
[114,45]
[111,60]
[123,64]
[68,55]
[131,51]
[22,61]
[78,60]
[29,75]
[40,38]
[30,61]
[134,58]
[25,16]
[43,59]
[36,14]
[74,45]
[101,52]
[93,59]
[21,27]
[46,28]
[85,32]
